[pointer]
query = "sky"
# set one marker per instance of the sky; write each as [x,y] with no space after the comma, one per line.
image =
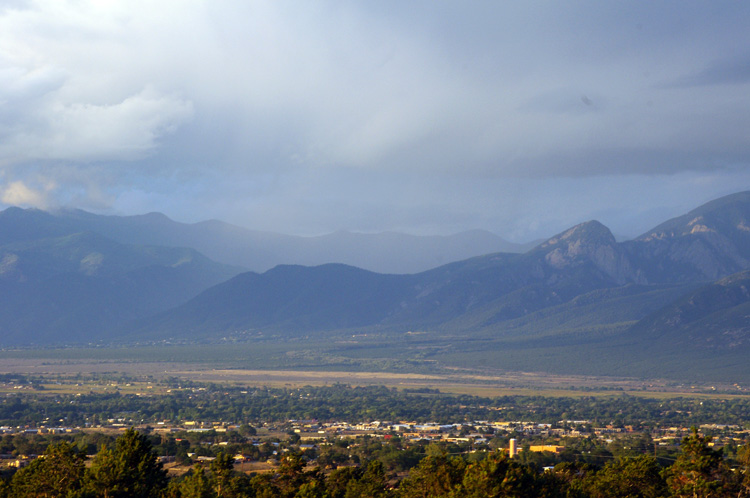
[426,117]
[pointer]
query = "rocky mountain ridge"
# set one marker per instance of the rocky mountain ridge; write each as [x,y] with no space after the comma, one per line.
[490,294]
[387,252]
[679,289]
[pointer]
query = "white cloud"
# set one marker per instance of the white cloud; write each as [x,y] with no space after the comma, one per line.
[17,193]
[357,86]
[135,100]
[70,95]
[82,132]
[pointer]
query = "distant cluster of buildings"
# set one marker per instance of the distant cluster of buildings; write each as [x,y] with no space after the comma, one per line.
[38,430]
[311,433]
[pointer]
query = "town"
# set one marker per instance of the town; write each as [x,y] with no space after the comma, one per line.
[260,447]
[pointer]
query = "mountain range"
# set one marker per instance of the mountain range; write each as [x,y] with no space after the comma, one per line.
[680,289]
[387,252]
[485,293]
[72,288]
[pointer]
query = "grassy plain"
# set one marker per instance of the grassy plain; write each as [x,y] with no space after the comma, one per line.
[419,361]
[68,371]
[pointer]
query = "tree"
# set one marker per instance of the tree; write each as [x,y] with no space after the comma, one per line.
[262,486]
[312,489]
[196,485]
[291,475]
[434,476]
[371,484]
[130,470]
[247,430]
[59,472]
[699,471]
[498,476]
[339,479]
[744,461]
[638,477]
[222,469]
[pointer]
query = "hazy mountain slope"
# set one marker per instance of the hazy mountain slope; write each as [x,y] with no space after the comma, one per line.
[18,225]
[82,287]
[503,287]
[579,282]
[496,287]
[707,243]
[387,252]
[577,289]
[601,311]
[391,252]
[73,308]
[715,316]
[295,299]
[94,255]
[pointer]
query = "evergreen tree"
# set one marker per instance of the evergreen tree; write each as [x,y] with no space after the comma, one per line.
[638,477]
[699,471]
[130,470]
[499,476]
[744,461]
[57,473]
[262,486]
[436,475]
[291,475]
[196,485]
[222,469]
[338,480]
[312,489]
[372,483]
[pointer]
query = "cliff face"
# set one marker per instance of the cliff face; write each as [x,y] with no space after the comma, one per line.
[706,244]
[590,242]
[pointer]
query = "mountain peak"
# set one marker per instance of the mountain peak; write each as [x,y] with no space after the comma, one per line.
[709,242]
[729,214]
[590,242]
[589,232]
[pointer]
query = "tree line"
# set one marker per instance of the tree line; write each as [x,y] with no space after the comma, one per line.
[130,468]
[342,402]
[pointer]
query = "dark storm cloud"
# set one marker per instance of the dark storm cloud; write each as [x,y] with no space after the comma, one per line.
[734,71]
[413,115]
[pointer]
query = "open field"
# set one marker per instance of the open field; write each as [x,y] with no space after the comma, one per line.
[508,384]
[81,375]
[65,367]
